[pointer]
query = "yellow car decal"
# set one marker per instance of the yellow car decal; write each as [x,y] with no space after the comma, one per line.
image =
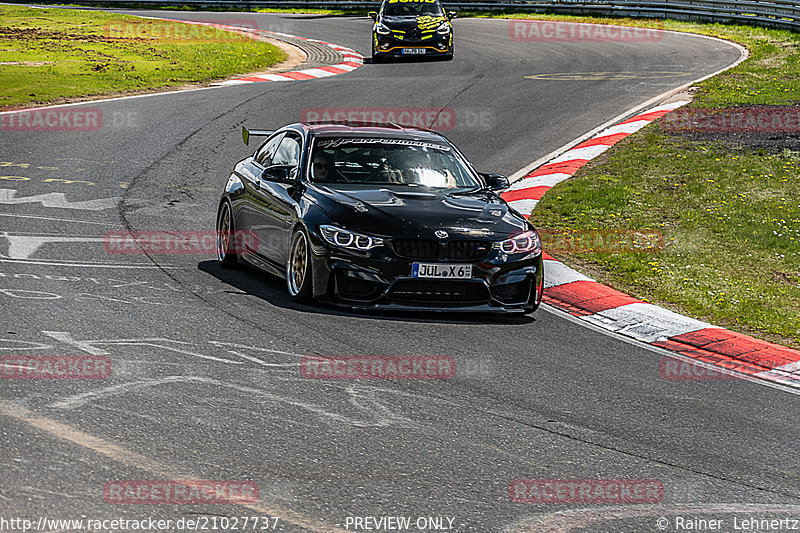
[429,22]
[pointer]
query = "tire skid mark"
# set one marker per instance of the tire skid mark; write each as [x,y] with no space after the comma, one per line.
[135,460]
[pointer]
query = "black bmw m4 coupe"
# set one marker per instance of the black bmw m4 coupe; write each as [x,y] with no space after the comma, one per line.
[378,217]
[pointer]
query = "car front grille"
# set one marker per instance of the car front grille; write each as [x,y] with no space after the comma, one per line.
[439,291]
[427,249]
[468,250]
[416,248]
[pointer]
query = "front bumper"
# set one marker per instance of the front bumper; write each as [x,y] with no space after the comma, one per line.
[433,45]
[381,280]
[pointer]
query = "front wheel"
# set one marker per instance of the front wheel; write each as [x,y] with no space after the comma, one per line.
[376,57]
[298,269]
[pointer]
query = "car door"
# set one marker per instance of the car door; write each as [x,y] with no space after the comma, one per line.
[274,214]
[249,172]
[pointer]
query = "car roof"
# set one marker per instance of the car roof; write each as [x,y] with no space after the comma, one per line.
[372,130]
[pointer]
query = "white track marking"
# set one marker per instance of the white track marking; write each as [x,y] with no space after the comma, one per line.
[88,265]
[545,180]
[319,73]
[28,345]
[375,413]
[367,401]
[628,127]
[557,273]
[92,346]
[58,200]
[229,347]
[646,322]
[24,246]
[791,388]
[783,377]
[590,152]
[523,206]
[14,215]
[153,467]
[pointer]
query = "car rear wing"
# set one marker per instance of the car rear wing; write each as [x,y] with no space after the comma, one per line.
[246,134]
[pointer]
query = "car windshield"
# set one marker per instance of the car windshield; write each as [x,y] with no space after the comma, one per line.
[399,8]
[386,161]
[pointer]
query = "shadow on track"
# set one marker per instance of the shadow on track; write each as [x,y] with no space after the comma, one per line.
[403,60]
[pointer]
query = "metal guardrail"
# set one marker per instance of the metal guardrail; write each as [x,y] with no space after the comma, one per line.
[774,13]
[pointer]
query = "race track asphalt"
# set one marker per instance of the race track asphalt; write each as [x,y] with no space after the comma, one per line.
[206,380]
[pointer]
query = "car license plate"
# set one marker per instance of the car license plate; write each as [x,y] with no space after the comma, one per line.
[413,50]
[438,270]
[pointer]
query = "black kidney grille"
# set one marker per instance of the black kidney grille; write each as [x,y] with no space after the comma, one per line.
[468,250]
[426,249]
[439,291]
[416,248]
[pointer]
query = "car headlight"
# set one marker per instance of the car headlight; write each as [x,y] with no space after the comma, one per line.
[382,29]
[349,239]
[444,28]
[527,242]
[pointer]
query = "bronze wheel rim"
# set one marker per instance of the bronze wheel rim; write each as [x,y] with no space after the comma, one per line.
[298,264]
[223,232]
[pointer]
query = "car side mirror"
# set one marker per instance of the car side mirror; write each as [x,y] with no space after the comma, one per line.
[373,15]
[495,182]
[452,14]
[278,173]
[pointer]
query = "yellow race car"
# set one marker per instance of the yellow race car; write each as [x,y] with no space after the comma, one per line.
[412,28]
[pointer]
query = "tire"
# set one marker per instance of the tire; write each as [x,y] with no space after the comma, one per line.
[226,230]
[376,58]
[298,268]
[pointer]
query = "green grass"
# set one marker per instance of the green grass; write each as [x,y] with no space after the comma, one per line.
[728,207]
[53,55]
[185,7]
[311,11]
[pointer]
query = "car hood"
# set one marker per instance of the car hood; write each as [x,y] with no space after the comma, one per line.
[389,213]
[420,22]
